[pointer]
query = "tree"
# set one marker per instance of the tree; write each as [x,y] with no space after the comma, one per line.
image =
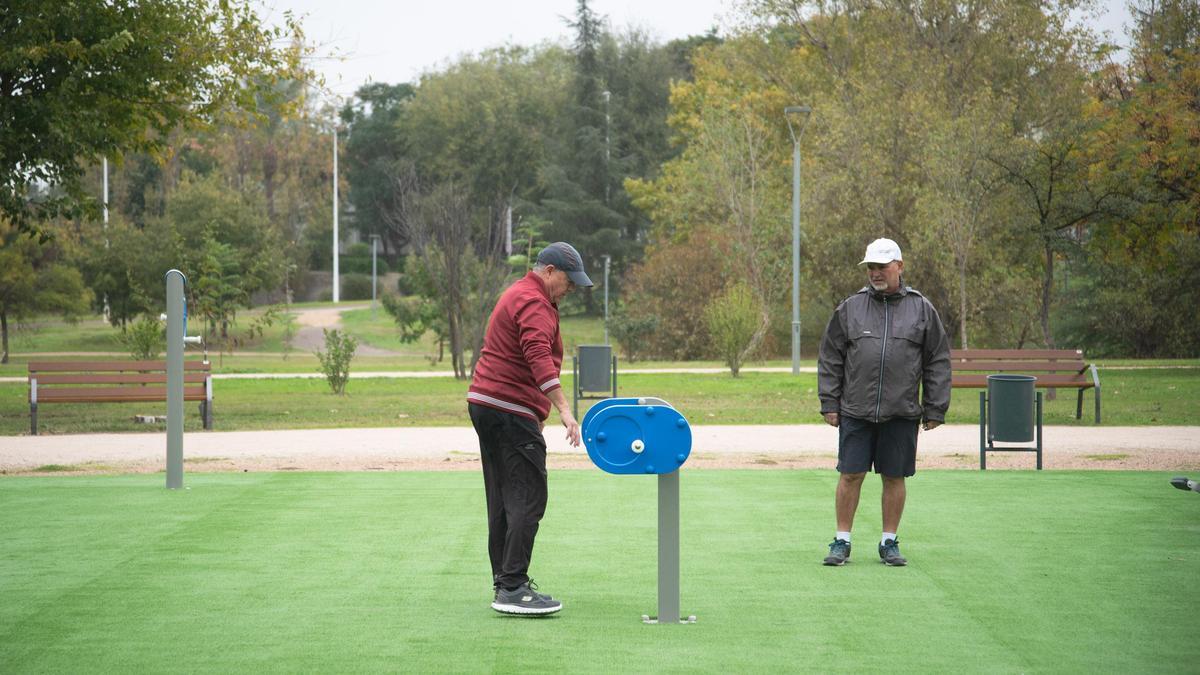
[225,245]
[91,79]
[460,249]
[898,90]
[733,322]
[374,140]
[1134,288]
[34,279]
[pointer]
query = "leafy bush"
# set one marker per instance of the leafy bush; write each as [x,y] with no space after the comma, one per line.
[732,319]
[145,338]
[356,286]
[674,284]
[631,333]
[335,360]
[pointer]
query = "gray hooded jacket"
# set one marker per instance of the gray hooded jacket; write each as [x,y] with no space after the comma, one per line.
[877,351]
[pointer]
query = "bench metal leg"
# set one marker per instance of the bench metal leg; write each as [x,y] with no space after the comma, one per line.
[33,419]
[206,414]
[1097,404]
[1039,431]
[982,431]
[1079,405]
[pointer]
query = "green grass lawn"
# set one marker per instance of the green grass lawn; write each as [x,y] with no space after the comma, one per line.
[1086,572]
[1131,397]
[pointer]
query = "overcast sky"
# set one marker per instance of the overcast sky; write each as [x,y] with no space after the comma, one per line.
[396,41]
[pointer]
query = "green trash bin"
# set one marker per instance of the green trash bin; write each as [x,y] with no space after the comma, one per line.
[1010,403]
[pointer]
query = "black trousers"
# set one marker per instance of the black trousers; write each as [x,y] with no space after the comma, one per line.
[513,454]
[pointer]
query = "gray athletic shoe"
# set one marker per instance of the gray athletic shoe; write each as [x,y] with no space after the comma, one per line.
[889,553]
[524,601]
[839,553]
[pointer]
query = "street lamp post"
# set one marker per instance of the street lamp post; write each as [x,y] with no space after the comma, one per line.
[806,111]
[335,217]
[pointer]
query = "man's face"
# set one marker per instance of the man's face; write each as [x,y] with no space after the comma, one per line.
[558,285]
[885,277]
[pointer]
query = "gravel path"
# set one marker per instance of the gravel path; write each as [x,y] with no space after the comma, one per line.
[450,448]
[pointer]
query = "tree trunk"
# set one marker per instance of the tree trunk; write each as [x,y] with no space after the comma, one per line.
[270,165]
[962,305]
[755,340]
[456,346]
[1047,288]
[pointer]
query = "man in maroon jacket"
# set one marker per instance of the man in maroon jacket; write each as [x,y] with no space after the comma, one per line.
[514,383]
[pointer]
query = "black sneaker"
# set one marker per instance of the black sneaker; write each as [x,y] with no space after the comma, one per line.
[1183,483]
[839,553]
[524,601]
[532,586]
[889,553]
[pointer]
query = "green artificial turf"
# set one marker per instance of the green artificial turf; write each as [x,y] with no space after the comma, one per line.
[1010,572]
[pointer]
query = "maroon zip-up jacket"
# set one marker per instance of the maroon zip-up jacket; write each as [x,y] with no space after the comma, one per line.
[522,352]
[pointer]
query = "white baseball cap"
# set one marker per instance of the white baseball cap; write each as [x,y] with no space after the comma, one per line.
[882,252]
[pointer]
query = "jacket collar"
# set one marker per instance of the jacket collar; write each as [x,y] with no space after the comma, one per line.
[537,282]
[880,295]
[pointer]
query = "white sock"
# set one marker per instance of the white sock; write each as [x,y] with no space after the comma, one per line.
[844,536]
[886,536]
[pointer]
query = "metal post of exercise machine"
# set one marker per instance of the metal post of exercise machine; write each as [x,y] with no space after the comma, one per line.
[176,340]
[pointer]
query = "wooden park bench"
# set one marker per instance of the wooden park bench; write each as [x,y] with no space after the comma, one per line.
[1053,368]
[115,382]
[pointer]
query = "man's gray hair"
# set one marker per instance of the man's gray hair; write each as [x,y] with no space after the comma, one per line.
[538,267]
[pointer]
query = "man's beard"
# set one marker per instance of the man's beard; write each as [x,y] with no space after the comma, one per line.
[879,285]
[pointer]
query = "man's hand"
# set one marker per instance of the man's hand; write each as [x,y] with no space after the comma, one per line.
[559,399]
[572,426]
[930,425]
[831,419]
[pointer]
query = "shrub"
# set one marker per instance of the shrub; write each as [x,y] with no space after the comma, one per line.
[145,339]
[732,319]
[335,360]
[356,286]
[675,283]
[632,332]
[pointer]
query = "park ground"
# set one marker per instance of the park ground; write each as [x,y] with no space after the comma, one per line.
[347,533]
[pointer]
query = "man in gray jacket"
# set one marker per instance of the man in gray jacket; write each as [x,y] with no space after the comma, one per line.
[884,366]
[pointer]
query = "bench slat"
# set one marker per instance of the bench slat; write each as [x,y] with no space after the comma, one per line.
[115,394]
[1022,354]
[111,366]
[1018,366]
[123,378]
[971,381]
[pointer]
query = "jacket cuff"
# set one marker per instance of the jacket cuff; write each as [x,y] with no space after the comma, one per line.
[550,385]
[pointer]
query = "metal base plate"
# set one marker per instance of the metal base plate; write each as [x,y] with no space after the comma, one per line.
[654,619]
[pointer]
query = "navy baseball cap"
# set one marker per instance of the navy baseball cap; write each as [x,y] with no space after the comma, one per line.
[564,257]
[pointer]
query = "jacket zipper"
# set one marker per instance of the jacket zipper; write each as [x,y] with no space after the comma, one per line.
[882,353]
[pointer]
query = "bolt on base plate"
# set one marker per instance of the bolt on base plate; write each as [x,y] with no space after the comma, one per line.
[646,618]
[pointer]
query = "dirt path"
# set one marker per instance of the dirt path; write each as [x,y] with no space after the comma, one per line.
[1174,449]
[312,323]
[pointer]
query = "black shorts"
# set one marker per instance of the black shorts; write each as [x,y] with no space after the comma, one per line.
[890,447]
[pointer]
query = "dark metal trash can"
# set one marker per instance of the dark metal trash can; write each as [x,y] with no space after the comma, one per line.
[1010,408]
[595,368]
